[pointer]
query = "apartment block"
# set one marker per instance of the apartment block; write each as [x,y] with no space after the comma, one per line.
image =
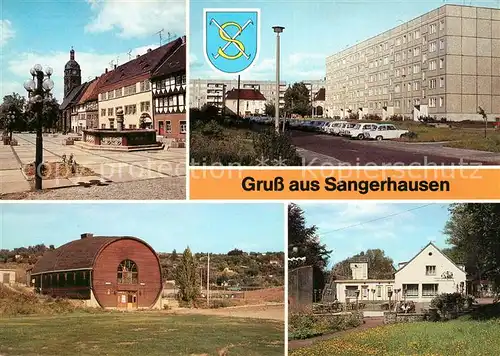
[445,63]
[206,91]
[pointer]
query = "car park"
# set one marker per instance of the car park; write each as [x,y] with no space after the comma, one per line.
[344,130]
[385,132]
[335,127]
[359,130]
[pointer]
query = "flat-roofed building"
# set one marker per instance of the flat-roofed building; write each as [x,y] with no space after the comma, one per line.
[445,63]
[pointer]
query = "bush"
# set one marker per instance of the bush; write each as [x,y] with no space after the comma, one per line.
[372,117]
[427,119]
[306,325]
[219,151]
[448,304]
[276,148]
[396,117]
[410,135]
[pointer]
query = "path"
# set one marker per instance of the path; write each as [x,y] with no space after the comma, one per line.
[369,323]
[110,167]
[263,311]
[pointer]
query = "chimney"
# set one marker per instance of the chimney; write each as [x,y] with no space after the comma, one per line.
[115,66]
[149,50]
[96,77]
[137,56]
[106,70]
[183,39]
[85,235]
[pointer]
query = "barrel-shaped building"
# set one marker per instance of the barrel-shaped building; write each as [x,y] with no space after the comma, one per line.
[108,271]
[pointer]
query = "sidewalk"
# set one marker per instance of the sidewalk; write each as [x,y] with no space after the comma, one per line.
[11,178]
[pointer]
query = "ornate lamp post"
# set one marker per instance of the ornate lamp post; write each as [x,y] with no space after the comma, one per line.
[389,294]
[11,117]
[38,88]
[277,30]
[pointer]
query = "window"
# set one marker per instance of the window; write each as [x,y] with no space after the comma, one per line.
[441,82]
[441,44]
[145,106]
[432,102]
[430,270]
[408,87]
[416,86]
[110,111]
[118,92]
[416,51]
[404,39]
[397,104]
[397,88]
[398,41]
[103,112]
[103,126]
[441,102]
[416,34]
[130,109]
[132,126]
[127,272]
[424,58]
[432,46]
[410,290]
[183,127]
[131,89]
[441,25]
[433,28]
[424,40]
[168,126]
[111,94]
[432,65]
[379,291]
[351,291]
[416,68]
[398,57]
[432,84]
[441,63]
[429,290]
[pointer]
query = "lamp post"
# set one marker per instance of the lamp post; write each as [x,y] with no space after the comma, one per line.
[357,299]
[389,294]
[277,30]
[38,88]
[11,117]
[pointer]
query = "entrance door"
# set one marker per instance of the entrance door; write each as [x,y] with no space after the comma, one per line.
[127,300]
[132,300]
[161,129]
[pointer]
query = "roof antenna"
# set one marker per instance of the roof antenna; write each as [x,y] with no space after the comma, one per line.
[160,34]
[129,55]
[111,64]
[170,36]
[117,58]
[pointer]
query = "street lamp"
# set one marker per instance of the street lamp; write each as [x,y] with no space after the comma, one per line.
[357,299]
[389,294]
[277,30]
[38,88]
[11,117]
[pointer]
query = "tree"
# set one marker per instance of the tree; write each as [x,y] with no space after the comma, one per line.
[474,232]
[186,277]
[50,113]
[235,252]
[270,109]
[379,265]
[16,104]
[174,255]
[297,100]
[303,241]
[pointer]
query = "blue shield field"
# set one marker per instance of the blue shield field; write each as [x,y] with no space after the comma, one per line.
[231,38]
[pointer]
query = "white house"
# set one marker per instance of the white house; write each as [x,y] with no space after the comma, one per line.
[426,275]
[251,101]
[7,276]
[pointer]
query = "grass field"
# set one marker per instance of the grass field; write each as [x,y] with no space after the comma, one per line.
[464,336]
[139,334]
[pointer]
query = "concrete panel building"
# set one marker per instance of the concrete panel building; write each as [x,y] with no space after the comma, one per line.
[445,63]
[212,91]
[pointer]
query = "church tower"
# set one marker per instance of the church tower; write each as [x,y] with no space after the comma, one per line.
[72,73]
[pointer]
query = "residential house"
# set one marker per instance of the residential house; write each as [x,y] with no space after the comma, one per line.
[168,84]
[251,102]
[70,116]
[128,87]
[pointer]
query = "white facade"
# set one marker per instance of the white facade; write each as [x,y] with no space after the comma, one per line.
[430,273]
[247,107]
[426,275]
[7,276]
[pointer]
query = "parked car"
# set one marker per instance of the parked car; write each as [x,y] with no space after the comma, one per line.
[344,130]
[359,131]
[334,127]
[385,132]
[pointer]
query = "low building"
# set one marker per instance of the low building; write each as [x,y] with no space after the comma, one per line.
[128,87]
[168,84]
[70,119]
[7,276]
[251,102]
[103,271]
[88,103]
[318,103]
[422,278]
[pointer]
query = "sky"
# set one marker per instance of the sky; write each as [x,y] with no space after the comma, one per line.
[43,31]
[314,29]
[400,229]
[216,228]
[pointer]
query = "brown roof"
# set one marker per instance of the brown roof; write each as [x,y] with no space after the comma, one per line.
[176,62]
[92,91]
[138,68]
[320,95]
[245,94]
[78,254]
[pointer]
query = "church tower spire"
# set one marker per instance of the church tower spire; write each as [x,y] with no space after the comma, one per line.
[72,73]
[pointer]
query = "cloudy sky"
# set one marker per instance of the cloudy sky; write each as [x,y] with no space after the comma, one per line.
[314,29]
[401,229]
[205,227]
[40,31]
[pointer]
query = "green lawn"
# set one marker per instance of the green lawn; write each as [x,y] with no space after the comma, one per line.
[459,337]
[138,334]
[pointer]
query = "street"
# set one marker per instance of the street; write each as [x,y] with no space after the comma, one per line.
[387,153]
